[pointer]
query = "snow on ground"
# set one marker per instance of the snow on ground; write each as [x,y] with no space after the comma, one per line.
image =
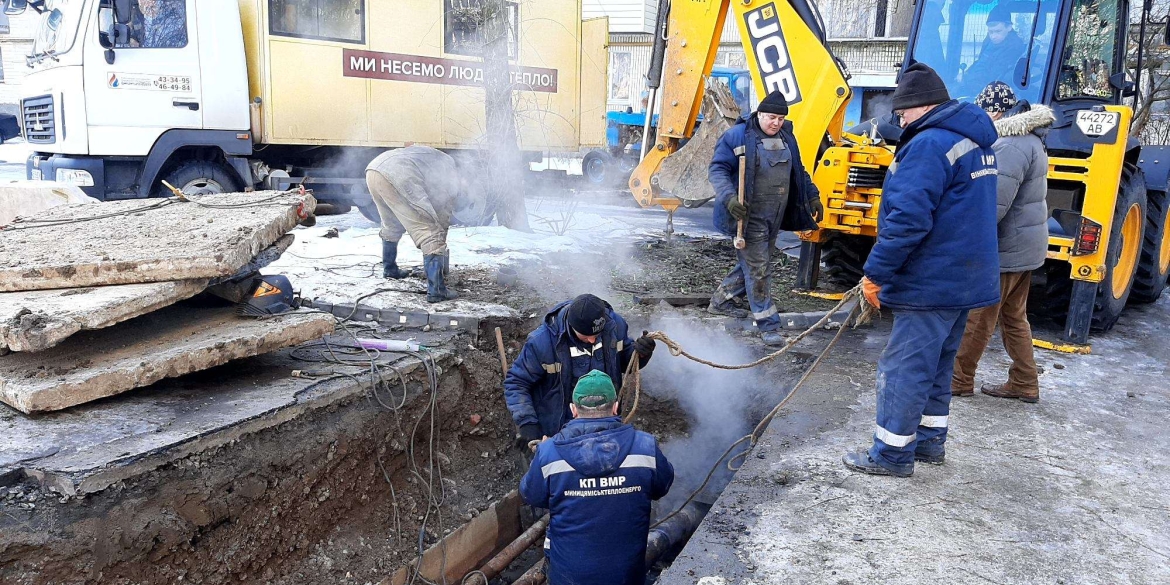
[341,269]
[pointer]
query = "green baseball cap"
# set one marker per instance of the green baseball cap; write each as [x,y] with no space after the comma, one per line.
[594,389]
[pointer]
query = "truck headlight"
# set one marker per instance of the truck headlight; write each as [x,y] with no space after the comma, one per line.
[75,177]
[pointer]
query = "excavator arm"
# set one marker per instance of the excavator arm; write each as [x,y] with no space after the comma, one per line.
[785,48]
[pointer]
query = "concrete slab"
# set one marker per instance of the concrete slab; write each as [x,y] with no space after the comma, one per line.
[1069,490]
[127,242]
[40,319]
[25,198]
[87,448]
[163,344]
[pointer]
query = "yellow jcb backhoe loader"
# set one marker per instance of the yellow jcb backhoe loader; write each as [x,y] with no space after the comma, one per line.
[1109,241]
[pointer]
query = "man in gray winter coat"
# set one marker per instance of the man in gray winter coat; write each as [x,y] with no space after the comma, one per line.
[1023,245]
[417,189]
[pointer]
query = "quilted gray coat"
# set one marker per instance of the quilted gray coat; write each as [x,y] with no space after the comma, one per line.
[1022,185]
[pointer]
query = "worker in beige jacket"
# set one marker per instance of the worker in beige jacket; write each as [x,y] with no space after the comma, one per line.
[417,189]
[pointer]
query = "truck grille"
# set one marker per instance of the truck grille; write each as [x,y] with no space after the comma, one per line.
[39,126]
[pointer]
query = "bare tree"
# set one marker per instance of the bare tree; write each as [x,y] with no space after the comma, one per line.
[490,28]
[1154,83]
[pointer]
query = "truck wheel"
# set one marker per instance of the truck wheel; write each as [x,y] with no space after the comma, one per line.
[596,167]
[844,258]
[1154,266]
[199,177]
[1125,247]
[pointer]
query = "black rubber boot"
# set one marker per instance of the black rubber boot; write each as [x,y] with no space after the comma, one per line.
[390,261]
[437,290]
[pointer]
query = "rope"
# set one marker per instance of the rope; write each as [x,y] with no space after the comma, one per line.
[858,315]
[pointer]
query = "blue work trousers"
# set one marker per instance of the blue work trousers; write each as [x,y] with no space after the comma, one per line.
[914,386]
[752,276]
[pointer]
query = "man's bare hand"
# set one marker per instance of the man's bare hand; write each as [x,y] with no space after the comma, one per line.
[534,444]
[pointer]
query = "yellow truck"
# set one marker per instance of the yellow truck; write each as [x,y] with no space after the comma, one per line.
[222,95]
[1108,194]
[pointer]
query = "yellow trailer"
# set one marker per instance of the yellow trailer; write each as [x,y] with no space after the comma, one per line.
[233,94]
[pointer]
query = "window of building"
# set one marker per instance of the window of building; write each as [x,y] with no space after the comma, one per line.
[467,26]
[620,75]
[330,20]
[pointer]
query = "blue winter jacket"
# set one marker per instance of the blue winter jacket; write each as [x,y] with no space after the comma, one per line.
[723,173]
[539,384]
[937,240]
[597,479]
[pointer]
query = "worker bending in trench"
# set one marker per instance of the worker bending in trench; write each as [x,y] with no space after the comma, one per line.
[577,336]
[417,189]
[597,478]
[778,195]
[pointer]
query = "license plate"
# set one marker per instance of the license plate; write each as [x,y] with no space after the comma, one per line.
[37,175]
[1097,123]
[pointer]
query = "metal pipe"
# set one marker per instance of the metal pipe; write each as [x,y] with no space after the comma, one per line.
[654,76]
[674,530]
[535,575]
[498,563]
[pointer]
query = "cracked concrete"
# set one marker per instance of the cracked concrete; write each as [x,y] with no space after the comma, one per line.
[1069,490]
[155,241]
[163,344]
[38,320]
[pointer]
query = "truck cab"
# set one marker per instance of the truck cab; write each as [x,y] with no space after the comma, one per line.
[116,91]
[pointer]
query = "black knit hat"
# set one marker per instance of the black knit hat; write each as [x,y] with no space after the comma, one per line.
[774,104]
[996,97]
[920,86]
[1000,13]
[586,315]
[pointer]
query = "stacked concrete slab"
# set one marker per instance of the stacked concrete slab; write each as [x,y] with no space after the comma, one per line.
[70,275]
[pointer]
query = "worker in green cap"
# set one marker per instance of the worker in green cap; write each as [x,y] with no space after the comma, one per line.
[597,478]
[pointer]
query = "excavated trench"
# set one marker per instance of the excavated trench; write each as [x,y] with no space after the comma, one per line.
[352,492]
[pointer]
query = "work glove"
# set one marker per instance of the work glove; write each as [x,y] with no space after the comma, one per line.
[738,210]
[644,347]
[528,433]
[816,209]
[870,290]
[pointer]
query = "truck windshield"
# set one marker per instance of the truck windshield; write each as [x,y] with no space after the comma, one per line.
[973,43]
[1089,54]
[58,28]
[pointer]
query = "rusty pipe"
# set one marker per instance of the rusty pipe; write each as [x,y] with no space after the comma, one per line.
[498,563]
[535,575]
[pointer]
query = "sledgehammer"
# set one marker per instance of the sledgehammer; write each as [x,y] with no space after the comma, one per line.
[739,242]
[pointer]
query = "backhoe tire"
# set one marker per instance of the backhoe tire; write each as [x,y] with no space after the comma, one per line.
[844,258]
[199,177]
[1154,266]
[1125,247]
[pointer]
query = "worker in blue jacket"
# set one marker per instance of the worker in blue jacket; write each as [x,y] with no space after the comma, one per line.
[936,257]
[597,478]
[778,195]
[577,336]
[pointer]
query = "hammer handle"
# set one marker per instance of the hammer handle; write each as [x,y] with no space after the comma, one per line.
[739,242]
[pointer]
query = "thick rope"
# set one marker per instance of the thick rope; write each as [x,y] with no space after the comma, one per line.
[858,315]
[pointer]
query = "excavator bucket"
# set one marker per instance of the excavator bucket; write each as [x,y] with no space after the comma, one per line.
[684,173]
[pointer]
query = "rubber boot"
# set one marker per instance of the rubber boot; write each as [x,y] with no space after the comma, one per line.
[390,261]
[437,290]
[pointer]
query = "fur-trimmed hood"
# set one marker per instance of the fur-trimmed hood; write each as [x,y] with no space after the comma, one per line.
[1026,122]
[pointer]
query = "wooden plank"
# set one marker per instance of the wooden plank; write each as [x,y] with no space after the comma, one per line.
[679,300]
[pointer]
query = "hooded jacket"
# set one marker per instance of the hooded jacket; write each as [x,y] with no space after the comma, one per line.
[723,173]
[597,478]
[540,382]
[1021,210]
[936,245]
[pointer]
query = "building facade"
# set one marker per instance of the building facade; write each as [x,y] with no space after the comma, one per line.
[868,35]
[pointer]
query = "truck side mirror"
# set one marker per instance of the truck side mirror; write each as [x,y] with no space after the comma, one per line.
[15,7]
